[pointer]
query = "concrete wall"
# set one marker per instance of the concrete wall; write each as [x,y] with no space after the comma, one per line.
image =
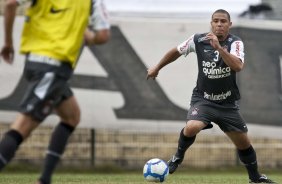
[109,102]
[260,82]
[132,149]
[276,5]
[175,8]
[168,8]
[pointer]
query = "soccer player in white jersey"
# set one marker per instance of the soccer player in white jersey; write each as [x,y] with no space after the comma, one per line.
[220,56]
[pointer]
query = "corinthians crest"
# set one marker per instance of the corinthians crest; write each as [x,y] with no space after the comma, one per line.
[194,112]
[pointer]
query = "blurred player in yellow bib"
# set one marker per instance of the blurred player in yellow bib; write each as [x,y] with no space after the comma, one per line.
[52,37]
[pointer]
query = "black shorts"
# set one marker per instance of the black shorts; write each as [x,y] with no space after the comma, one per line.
[47,87]
[226,116]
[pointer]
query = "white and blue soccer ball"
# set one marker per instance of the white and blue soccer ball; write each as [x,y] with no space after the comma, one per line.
[155,170]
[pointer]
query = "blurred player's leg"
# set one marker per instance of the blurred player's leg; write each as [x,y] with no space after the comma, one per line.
[69,112]
[56,148]
[10,143]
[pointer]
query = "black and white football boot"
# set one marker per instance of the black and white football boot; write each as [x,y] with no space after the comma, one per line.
[262,179]
[173,163]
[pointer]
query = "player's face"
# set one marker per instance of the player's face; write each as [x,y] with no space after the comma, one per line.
[220,25]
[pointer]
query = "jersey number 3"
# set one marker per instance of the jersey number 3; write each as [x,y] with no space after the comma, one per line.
[216,56]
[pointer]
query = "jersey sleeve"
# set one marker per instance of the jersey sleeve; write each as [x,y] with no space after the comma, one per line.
[187,46]
[237,49]
[99,18]
[21,2]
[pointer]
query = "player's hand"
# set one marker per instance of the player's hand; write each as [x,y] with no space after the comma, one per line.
[7,53]
[152,73]
[89,37]
[213,40]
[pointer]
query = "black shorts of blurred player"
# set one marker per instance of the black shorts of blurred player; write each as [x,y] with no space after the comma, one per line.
[47,87]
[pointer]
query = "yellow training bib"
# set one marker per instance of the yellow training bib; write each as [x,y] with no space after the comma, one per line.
[55,28]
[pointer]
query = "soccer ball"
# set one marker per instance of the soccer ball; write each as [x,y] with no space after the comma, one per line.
[155,170]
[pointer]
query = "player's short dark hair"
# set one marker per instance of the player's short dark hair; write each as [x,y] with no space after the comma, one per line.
[222,11]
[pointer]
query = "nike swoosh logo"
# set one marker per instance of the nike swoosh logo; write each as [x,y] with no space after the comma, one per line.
[53,10]
[174,158]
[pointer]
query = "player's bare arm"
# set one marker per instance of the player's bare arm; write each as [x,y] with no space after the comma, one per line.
[96,37]
[169,57]
[7,51]
[232,61]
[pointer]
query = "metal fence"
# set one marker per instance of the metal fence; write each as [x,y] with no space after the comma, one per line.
[130,150]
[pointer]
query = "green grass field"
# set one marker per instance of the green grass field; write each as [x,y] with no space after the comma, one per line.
[220,177]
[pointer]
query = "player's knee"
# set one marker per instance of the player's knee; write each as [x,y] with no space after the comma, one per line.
[71,123]
[243,145]
[72,120]
[191,130]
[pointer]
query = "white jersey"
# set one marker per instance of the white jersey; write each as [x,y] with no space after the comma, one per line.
[20,2]
[99,18]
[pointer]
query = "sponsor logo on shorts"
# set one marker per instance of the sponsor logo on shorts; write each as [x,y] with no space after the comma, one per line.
[47,107]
